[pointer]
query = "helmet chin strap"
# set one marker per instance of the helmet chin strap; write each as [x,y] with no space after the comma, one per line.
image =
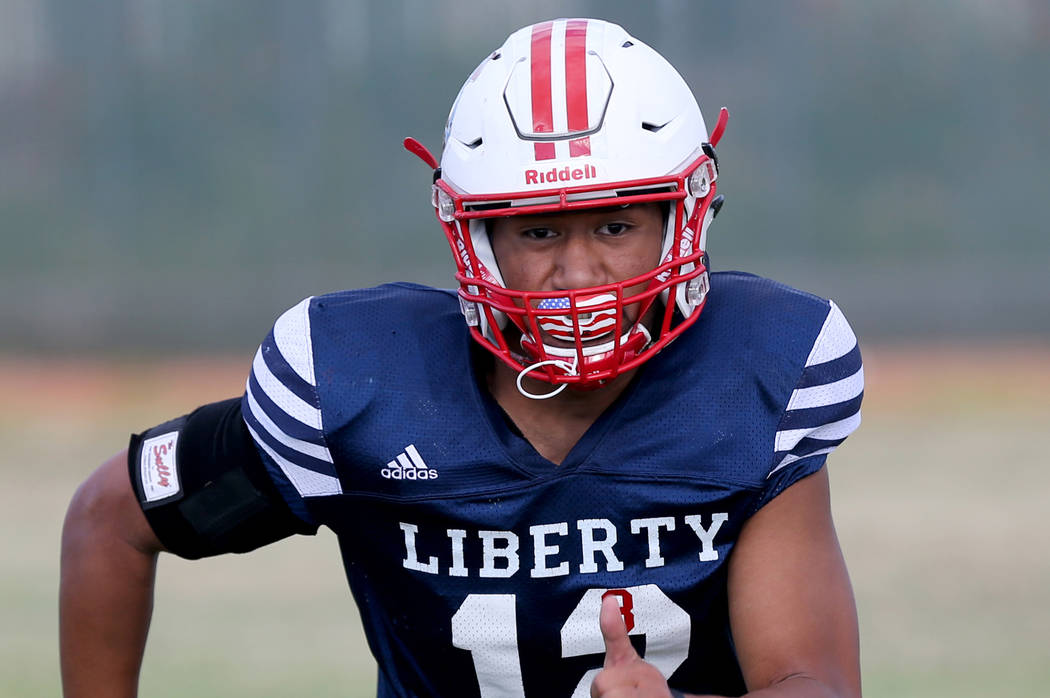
[572,368]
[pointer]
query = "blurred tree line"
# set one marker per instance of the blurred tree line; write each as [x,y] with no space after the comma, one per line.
[173,175]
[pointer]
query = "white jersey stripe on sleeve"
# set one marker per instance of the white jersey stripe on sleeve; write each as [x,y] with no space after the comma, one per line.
[309,449]
[835,339]
[291,334]
[791,458]
[284,398]
[828,394]
[306,482]
[787,440]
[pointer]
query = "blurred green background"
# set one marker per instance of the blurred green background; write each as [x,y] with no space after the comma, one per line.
[174,175]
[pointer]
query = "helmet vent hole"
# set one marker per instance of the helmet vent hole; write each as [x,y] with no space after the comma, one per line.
[627,44]
[653,128]
[474,143]
[497,55]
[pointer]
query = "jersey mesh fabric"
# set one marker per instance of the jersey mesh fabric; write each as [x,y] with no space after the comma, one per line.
[442,509]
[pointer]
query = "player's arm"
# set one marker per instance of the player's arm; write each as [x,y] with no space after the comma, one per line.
[792,611]
[791,607]
[109,556]
[197,487]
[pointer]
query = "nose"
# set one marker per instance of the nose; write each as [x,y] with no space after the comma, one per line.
[578,264]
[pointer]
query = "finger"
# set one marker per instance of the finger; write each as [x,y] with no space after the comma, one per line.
[618,647]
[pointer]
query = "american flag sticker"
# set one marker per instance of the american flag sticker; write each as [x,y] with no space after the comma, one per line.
[592,325]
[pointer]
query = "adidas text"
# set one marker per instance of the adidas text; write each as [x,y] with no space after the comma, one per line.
[406,474]
[408,465]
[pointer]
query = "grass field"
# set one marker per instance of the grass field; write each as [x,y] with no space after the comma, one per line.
[941,501]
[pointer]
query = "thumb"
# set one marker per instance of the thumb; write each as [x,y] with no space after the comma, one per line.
[618,647]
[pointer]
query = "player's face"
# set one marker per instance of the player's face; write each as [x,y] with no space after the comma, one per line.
[564,251]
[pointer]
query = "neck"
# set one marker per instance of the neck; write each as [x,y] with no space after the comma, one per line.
[552,426]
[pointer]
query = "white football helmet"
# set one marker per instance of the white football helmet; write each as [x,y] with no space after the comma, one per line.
[572,114]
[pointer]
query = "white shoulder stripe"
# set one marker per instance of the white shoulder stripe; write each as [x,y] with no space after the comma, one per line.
[787,440]
[306,482]
[284,398]
[828,394]
[304,447]
[791,458]
[836,338]
[291,332]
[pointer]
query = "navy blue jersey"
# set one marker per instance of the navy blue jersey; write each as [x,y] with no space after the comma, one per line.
[478,566]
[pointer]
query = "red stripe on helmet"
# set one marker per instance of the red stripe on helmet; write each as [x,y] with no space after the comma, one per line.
[542,104]
[576,84]
[580,146]
[544,151]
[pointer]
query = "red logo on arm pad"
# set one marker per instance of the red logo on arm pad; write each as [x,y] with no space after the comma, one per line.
[163,471]
[158,469]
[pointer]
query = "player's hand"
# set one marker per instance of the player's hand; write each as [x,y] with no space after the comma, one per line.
[625,673]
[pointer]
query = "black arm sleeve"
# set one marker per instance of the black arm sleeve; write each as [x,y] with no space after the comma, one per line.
[204,488]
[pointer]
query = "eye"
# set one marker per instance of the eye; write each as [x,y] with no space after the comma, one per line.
[538,233]
[614,229]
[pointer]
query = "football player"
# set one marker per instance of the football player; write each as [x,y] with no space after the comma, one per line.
[595,468]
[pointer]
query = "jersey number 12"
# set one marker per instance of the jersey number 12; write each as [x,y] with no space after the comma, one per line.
[486,626]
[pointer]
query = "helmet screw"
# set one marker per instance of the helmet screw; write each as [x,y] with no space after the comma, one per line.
[470,312]
[699,183]
[696,290]
[446,207]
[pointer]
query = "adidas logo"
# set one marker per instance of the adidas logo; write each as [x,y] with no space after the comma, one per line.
[408,465]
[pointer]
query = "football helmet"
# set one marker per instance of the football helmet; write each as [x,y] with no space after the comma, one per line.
[566,115]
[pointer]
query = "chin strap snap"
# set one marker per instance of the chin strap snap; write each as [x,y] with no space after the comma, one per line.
[569,368]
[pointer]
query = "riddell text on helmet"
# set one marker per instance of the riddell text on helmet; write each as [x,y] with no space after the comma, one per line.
[562,174]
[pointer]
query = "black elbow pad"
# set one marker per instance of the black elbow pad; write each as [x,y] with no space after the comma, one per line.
[204,488]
